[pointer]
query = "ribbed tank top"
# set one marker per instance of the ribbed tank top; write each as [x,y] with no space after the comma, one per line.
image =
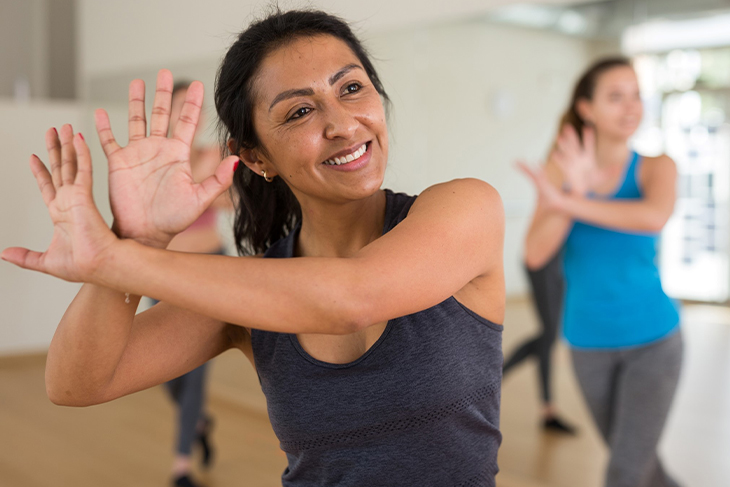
[613,294]
[420,408]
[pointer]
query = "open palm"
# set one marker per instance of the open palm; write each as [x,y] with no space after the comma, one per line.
[80,234]
[576,159]
[151,188]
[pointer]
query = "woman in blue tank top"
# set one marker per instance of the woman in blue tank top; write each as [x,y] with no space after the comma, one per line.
[373,320]
[606,205]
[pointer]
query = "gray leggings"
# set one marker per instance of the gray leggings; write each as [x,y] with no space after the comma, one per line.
[629,392]
[188,391]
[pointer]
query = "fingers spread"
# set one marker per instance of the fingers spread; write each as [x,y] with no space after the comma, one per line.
[160,119]
[68,155]
[527,170]
[43,178]
[83,176]
[53,146]
[137,119]
[104,129]
[190,114]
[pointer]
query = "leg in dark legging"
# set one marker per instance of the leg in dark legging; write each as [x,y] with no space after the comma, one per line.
[527,349]
[547,291]
[189,393]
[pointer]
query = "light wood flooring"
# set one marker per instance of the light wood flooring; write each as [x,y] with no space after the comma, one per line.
[129,442]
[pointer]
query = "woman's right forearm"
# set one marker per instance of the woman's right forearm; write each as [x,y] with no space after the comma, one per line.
[545,237]
[88,344]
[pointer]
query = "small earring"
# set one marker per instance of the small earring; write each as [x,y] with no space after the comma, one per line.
[268,179]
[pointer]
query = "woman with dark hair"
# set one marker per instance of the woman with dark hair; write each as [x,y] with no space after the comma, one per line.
[606,204]
[372,318]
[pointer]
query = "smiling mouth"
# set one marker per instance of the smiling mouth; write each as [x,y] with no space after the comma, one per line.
[357,154]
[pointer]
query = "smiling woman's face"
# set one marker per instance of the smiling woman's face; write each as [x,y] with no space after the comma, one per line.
[320,121]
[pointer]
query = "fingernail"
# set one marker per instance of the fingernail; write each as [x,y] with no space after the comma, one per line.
[54,129]
[235,165]
[82,136]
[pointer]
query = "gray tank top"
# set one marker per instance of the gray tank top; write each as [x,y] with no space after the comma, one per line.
[420,408]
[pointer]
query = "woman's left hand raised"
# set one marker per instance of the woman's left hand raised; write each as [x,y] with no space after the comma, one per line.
[80,234]
[152,191]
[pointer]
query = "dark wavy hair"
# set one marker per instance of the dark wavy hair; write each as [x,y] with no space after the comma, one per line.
[265,211]
[585,89]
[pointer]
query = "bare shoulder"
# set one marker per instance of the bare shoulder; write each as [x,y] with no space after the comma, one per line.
[659,163]
[659,170]
[468,198]
[474,211]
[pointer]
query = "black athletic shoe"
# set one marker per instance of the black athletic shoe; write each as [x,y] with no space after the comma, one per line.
[556,425]
[204,440]
[184,481]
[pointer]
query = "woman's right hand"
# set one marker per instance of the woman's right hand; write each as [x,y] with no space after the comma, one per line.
[151,188]
[576,159]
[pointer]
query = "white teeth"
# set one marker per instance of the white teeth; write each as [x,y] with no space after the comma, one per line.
[338,161]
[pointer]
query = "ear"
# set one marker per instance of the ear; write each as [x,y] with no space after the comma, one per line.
[253,160]
[584,109]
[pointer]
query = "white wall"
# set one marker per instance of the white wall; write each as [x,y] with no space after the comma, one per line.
[122,34]
[32,304]
[23,41]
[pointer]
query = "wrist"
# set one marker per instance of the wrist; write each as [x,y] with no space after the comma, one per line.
[116,270]
[573,189]
[158,243]
[568,202]
[107,264]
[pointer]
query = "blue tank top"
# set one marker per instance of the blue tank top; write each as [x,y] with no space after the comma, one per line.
[420,408]
[613,295]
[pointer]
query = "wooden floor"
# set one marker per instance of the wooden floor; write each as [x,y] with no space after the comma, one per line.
[129,442]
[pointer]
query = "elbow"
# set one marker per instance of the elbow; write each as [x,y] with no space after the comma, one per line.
[349,303]
[535,258]
[66,396]
[351,318]
[656,223]
[534,262]
[63,398]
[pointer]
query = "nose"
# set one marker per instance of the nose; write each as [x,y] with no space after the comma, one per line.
[341,123]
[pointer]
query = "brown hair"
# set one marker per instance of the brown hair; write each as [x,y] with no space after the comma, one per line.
[585,89]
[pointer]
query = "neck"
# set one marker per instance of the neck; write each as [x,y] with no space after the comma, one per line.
[611,151]
[337,230]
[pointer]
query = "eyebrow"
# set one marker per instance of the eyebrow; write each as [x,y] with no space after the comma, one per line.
[285,95]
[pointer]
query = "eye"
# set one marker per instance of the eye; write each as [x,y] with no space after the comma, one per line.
[299,113]
[352,88]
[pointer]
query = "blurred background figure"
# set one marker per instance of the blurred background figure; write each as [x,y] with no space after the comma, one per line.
[188,392]
[607,204]
[547,287]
